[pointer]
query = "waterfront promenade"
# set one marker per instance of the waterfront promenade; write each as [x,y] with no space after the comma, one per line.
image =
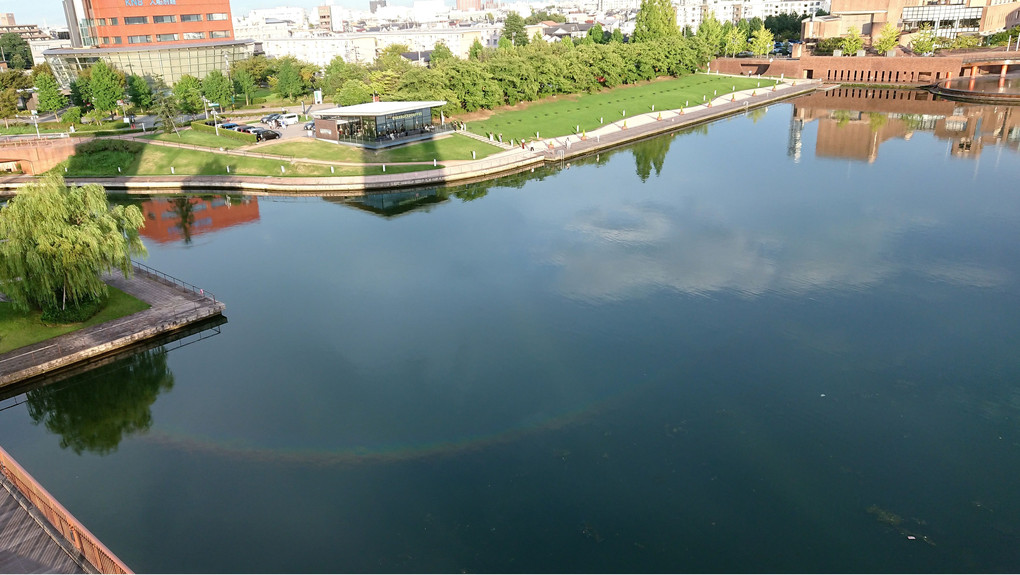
[614,134]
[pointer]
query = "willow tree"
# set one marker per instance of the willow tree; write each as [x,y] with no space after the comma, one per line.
[56,242]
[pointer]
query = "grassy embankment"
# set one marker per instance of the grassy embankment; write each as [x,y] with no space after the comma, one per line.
[137,159]
[561,115]
[18,329]
[196,138]
[61,127]
[452,147]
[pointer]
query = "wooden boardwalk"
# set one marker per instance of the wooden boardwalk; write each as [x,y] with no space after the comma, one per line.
[174,305]
[30,545]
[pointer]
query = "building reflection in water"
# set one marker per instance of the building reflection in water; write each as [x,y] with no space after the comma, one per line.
[854,122]
[173,219]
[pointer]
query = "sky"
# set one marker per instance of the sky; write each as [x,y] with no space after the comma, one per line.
[51,12]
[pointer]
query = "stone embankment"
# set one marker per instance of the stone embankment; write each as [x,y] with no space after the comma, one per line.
[511,160]
[174,305]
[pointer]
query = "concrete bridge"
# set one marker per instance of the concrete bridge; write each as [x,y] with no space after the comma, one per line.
[35,155]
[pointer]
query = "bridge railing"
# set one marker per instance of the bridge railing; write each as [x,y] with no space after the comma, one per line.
[172,280]
[73,531]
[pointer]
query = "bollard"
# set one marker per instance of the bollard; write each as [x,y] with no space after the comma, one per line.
[653,107]
[577,128]
[282,171]
[472,154]
[600,119]
[171,169]
[331,170]
[536,135]
[384,167]
[433,162]
[118,169]
[228,169]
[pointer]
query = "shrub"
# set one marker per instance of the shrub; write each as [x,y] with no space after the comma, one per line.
[78,313]
[71,116]
[826,46]
[96,146]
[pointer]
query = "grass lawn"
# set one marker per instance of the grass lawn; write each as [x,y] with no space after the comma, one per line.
[452,147]
[558,115]
[197,138]
[154,160]
[60,127]
[18,329]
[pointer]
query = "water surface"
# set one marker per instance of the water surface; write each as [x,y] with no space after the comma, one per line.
[783,342]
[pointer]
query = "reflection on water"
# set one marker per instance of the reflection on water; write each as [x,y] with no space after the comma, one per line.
[988,84]
[94,412]
[853,123]
[179,218]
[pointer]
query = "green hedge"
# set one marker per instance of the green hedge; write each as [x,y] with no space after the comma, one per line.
[74,313]
[109,146]
[100,133]
[242,136]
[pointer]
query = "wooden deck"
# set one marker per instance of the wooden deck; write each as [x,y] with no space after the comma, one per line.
[28,545]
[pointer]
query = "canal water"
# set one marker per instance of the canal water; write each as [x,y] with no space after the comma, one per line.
[786,341]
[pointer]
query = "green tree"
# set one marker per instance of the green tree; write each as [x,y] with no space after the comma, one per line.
[288,82]
[96,411]
[8,105]
[165,107]
[513,30]
[139,92]
[48,92]
[59,240]
[477,50]
[187,95]
[543,16]
[106,88]
[244,84]
[888,38]
[617,36]
[81,92]
[472,84]
[391,58]
[216,88]
[71,115]
[597,34]
[41,68]
[655,19]
[924,41]
[734,42]
[16,51]
[852,42]
[710,37]
[353,92]
[440,54]
[258,66]
[762,41]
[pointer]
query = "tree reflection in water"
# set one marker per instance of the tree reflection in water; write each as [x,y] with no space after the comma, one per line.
[651,154]
[185,210]
[94,411]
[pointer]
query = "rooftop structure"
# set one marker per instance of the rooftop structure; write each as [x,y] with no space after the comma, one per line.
[947,18]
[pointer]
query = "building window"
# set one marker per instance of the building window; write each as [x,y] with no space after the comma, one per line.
[136,20]
[113,21]
[139,39]
[164,19]
[117,40]
[101,22]
[194,35]
[106,40]
[216,16]
[191,17]
[219,34]
[166,37]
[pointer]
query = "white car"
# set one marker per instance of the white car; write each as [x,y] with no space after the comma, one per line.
[288,119]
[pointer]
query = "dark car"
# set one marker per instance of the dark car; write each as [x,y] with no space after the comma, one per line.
[228,126]
[269,135]
[269,118]
[310,125]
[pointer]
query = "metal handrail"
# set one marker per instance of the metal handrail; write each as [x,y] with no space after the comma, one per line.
[171,279]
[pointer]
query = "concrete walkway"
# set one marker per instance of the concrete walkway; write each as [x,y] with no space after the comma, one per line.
[173,307]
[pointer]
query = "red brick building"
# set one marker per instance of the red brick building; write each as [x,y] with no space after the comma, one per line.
[136,23]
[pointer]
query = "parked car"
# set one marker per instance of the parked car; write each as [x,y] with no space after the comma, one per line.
[310,125]
[228,126]
[288,119]
[269,118]
[270,135]
[243,128]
